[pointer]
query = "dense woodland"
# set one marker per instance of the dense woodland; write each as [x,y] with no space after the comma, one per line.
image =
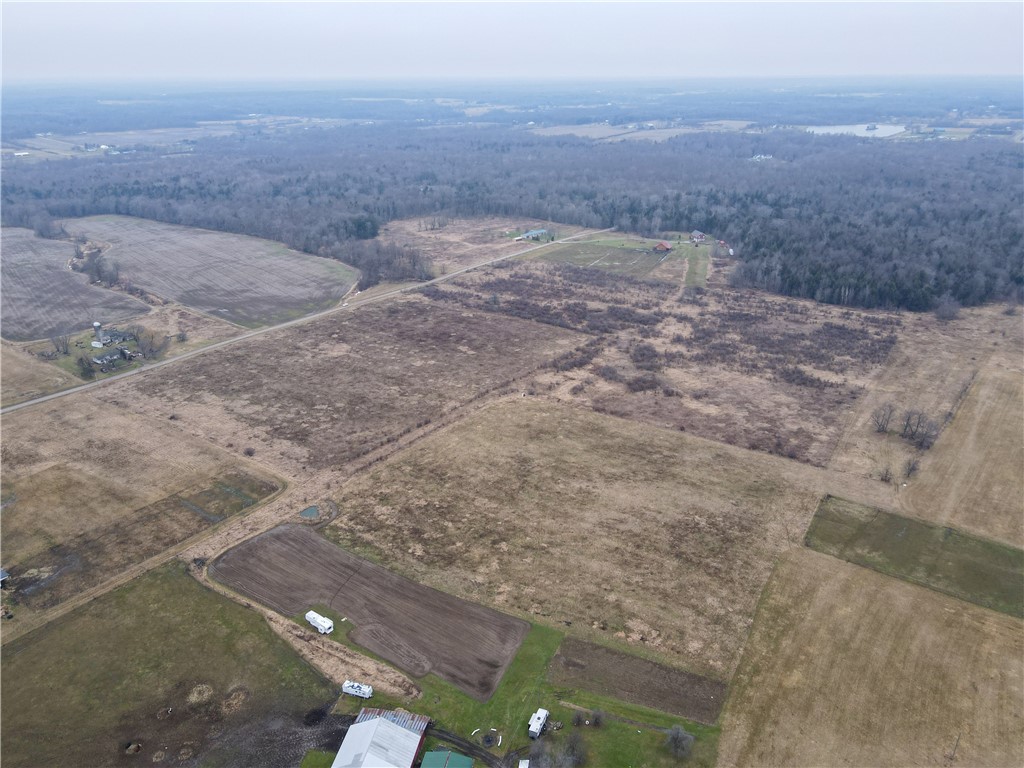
[863,222]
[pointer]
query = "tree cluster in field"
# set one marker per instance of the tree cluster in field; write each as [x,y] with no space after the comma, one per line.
[861,222]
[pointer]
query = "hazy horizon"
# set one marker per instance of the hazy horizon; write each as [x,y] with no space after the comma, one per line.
[382,43]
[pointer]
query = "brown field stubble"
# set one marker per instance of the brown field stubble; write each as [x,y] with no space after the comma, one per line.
[849,667]
[659,539]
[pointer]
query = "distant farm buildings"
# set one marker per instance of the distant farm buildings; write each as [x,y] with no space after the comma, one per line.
[533,234]
[381,738]
[663,247]
[697,236]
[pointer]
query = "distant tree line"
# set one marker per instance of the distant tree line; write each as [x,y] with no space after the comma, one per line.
[862,222]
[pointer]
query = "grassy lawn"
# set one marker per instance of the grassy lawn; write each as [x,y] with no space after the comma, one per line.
[697,270]
[633,257]
[317,759]
[630,734]
[100,677]
[980,571]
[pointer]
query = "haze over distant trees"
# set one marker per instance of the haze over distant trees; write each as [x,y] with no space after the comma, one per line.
[866,222]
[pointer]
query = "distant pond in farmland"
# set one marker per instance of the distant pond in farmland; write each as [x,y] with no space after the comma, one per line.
[864,129]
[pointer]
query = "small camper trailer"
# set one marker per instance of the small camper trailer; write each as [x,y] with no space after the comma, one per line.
[537,722]
[322,624]
[357,689]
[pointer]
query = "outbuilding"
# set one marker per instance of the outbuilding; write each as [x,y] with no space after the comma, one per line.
[663,247]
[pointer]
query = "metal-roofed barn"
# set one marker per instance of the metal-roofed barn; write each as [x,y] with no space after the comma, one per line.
[382,738]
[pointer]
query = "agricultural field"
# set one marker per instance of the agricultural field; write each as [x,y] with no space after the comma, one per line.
[192,678]
[974,476]
[653,539]
[927,370]
[23,376]
[635,256]
[979,571]
[630,678]
[418,629]
[453,244]
[41,297]
[324,393]
[848,667]
[90,490]
[244,280]
[771,374]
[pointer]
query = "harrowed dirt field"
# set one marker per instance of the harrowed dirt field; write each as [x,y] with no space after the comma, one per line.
[847,667]
[245,280]
[418,629]
[654,540]
[23,376]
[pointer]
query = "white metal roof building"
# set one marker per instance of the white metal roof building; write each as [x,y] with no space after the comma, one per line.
[377,743]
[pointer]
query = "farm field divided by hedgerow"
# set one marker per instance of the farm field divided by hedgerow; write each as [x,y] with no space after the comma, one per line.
[42,297]
[166,664]
[654,539]
[329,391]
[772,374]
[245,280]
[980,571]
[846,666]
[89,491]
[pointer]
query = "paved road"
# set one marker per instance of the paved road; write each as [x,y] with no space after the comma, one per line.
[307,319]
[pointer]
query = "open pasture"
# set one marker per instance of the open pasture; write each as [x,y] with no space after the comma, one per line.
[23,376]
[420,630]
[625,255]
[767,373]
[89,491]
[623,676]
[164,663]
[41,297]
[456,243]
[245,280]
[847,667]
[980,571]
[653,538]
[974,475]
[324,393]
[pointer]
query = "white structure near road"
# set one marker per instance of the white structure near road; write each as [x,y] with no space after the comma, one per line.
[322,624]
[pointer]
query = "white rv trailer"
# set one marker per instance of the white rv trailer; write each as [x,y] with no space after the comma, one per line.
[537,722]
[357,689]
[322,624]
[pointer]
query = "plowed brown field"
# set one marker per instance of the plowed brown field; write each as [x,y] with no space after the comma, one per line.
[419,629]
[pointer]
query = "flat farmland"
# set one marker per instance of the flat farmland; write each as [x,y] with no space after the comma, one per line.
[326,392]
[627,255]
[767,373]
[651,538]
[89,490]
[190,676]
[420,630]
[23,376]
[465,242]
[245,280]
[848,667]
[41,297]
[926,370]
[620,675]
[974,475]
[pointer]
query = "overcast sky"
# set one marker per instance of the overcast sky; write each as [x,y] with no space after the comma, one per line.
[231,41]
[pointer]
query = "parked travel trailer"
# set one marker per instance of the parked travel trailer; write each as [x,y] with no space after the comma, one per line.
[357,689]
[322,624]
[537,722]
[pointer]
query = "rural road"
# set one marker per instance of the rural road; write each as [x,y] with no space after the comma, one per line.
[349,306]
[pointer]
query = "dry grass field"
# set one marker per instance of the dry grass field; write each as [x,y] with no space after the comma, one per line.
[418,629]
[849,667]
[974,476]
[89,490]
[245,280]
[41,297]
[465,242]
[652,537]
[927,370]
[23,376]
[748,369]
[318,395]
